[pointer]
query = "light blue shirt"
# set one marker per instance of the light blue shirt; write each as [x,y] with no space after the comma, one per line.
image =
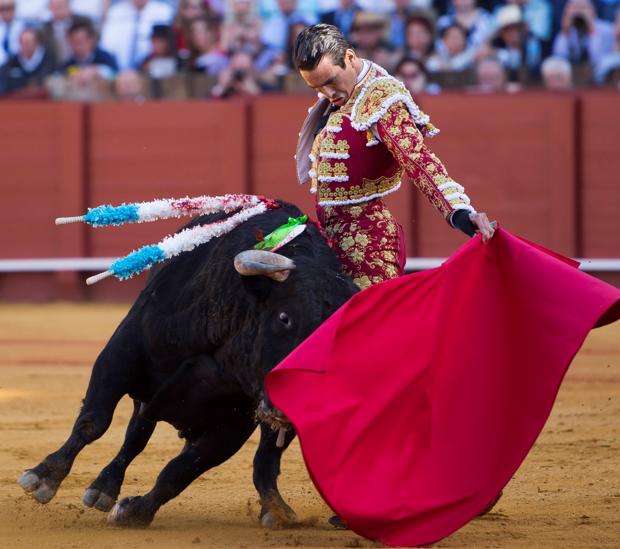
[275,30]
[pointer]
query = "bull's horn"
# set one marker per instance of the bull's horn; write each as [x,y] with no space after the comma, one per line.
[261,262]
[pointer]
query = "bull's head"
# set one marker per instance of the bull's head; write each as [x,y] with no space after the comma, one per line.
[278,268]
[291,298]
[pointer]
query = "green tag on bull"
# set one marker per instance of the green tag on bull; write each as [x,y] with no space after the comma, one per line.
[283,234]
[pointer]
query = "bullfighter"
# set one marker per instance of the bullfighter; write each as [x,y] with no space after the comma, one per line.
[357,140]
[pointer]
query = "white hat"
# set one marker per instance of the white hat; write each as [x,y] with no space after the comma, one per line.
[508,15]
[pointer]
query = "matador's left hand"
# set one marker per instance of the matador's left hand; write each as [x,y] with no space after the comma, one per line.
[483,226]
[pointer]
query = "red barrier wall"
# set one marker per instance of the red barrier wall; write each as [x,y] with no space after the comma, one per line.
[600,199]
[42,163]
[275,123]
[160,150]
[515,157]
[531,160]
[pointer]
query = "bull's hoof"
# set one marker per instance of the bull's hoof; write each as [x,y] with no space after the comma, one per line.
[29,481]
[278,515]
[104,490]
[130,512]
[98,500]
[41,489]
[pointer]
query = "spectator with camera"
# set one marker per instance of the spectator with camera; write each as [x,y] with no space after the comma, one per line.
[26,70]
[583,39]
[239,79]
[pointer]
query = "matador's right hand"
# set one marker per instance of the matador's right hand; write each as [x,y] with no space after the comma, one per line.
[483,226]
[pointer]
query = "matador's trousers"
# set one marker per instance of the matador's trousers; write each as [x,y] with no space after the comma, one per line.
[367,239]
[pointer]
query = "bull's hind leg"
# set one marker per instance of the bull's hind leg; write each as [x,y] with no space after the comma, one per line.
[112,376]
[274,510]
[103,492]
[216,445]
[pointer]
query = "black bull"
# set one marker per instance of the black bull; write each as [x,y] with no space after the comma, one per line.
[194,350]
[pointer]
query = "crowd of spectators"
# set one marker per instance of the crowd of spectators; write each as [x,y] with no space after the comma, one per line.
[138,49]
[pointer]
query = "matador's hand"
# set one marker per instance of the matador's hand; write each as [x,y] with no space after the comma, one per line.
[483,226]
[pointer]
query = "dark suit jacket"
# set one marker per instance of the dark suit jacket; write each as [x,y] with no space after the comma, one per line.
[13,76]
[49,38]
[99,57]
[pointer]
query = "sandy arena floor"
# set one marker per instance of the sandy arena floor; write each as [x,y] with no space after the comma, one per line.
[566,494]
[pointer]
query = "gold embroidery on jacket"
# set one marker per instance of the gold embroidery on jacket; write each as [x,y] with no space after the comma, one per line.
[368,188]
[329,171]
[334,122]
[405,142]
[330,145]
[374,97]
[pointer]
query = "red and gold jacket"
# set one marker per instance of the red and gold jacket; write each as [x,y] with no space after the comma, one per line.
[366,145]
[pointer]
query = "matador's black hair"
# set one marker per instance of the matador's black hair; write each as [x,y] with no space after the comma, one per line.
[314,42]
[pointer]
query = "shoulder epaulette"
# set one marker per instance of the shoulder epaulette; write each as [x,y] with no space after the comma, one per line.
[379,93]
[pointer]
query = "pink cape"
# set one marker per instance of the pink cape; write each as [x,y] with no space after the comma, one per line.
[419,398]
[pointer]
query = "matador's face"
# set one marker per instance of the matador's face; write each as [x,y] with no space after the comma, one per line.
[333,81]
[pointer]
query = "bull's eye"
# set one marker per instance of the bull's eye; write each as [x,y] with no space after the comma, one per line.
[284,319]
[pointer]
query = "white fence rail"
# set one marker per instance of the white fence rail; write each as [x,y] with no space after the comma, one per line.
[611,265]
[96,264]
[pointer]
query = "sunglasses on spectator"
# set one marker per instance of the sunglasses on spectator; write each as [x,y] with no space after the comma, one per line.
[7,7]
[413,74]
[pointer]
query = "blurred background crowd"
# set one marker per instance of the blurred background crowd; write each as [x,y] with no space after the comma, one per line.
[90,50]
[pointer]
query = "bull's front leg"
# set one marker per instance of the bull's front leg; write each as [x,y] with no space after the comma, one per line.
[103,492]
[215,446]
[274,510]
[112,378]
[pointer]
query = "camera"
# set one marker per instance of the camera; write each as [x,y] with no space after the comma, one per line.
[239,75]
[580,24]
